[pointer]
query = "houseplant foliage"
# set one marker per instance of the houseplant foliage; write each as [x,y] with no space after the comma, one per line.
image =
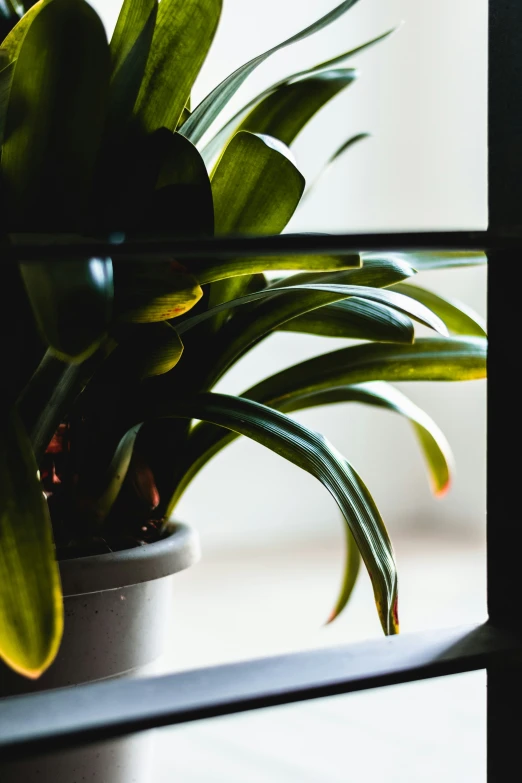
[112,362]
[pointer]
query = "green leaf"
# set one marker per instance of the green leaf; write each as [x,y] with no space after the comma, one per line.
[215,145]
[147,293]
[218,269]
[374,272]
[458,317]
[423,260]
[331,292]
[281,305]
[210,107]
[6,77]
[310,451]
[428,359]
[44,402]
[433,442]
[355,319]
[55,117]
[182,203]
[13,41]
[256,189]
[31,610]
[134,16]
[205,440]
[99,493]
[182,36]
[130,46]
[153,184]
[145,350]
[71,302]
[351,571]
[256,186]
[285,112]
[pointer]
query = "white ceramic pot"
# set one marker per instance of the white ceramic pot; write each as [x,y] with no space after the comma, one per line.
[116,613]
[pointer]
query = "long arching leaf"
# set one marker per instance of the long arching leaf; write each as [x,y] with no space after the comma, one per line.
[423,260]
[428,359]
[354,319]
[31,610]
[215,145]
[374,272]
[331,293]
[182,36]
[310,451]
[205,440]
[458,317]
[206,112]
[433,442]
[218,269]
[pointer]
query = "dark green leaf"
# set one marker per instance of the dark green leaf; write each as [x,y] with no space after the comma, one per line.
[310,451]
[31,610]
[331,292]
[72,303]
[99,493]
[355,319]
[215,145]
[145,350]
[44,402]
[55,117]
[458,317]
[210,107]
[182,37]
[155,184]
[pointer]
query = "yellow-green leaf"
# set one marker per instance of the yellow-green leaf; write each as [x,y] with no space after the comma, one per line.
[182,37]
[31,610]
[130,47]
[150,292]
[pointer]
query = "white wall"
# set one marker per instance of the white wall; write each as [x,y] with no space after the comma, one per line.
[422,94]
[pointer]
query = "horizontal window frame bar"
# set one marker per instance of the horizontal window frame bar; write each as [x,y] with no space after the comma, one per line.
[231,246]
[84,714]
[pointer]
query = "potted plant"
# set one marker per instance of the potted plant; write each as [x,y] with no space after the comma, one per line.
[111,362]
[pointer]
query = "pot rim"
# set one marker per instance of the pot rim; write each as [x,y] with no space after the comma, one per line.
[114,570]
